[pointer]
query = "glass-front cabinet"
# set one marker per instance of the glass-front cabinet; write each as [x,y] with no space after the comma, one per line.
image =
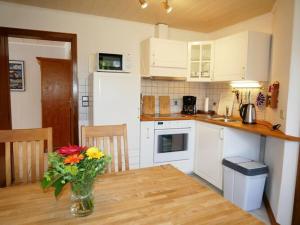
[200,61]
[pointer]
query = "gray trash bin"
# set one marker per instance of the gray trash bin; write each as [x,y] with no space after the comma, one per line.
[244,182]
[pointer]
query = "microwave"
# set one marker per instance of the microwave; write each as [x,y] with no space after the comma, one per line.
[109,62]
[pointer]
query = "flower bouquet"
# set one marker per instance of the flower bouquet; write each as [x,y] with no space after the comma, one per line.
[78,166]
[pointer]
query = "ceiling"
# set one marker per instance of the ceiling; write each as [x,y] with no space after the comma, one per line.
[197,15]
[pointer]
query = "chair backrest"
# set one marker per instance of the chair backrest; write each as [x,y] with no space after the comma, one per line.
[25,150]
[112,139]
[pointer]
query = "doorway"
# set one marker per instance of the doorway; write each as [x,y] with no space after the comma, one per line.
[5,102]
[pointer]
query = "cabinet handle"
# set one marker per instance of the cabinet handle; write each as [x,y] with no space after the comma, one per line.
[243,72]
[153,59]
[148,135]
[222,134]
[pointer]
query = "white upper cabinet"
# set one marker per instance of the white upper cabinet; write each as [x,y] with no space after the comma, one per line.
[200,61]
[163,57]
[242,56]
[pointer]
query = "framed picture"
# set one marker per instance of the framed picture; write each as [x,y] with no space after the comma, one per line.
[16,75]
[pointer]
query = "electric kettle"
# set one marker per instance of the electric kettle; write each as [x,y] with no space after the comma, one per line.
[248,112]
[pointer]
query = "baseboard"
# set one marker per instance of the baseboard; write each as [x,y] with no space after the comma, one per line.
[269,211]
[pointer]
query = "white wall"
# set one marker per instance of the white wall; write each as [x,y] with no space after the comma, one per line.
[26,106]
[261,23]
[282,156]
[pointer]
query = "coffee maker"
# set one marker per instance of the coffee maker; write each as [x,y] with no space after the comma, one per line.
[189,105]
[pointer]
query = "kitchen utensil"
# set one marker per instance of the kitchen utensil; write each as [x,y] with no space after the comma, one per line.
[260,100]
[148,104]
[248,113]
[164,105]
[189,105]
[206,103]
[225,101]
[276,126]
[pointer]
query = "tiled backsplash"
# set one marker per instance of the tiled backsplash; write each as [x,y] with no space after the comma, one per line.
[215,90]
[177,89]
[174,89]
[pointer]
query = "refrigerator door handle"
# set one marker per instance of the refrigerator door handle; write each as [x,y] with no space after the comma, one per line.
[99,87]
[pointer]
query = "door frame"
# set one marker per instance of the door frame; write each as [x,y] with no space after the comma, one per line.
[5,109]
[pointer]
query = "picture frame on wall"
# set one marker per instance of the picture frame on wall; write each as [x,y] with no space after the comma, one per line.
[16,75]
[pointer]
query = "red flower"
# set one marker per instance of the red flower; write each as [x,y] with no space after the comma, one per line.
[71,150]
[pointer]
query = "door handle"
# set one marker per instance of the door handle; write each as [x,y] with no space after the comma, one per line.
[222,134]
[153,59]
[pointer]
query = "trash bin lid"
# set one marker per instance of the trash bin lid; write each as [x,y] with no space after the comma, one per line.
[248,168]
[237,159]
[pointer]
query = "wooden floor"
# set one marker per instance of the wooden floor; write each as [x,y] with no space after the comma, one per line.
[157,195]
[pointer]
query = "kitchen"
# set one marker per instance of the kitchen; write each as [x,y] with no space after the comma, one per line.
[282,167]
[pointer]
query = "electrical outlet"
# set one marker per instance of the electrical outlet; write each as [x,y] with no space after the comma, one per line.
[175,102]
[281,114]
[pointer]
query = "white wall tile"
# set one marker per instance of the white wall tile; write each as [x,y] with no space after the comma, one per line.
[177,89]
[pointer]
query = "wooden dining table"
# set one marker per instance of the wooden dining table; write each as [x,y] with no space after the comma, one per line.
[157,195]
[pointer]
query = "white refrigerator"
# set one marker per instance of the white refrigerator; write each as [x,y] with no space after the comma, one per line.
[115,99]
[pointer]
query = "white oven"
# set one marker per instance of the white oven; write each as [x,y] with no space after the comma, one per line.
[173,141]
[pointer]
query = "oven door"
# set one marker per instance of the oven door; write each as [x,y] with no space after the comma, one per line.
[171,145]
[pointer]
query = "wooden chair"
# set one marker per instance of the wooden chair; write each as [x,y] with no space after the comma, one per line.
[26,154]
[111,139]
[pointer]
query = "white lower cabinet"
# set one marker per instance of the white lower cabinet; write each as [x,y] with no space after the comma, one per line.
[213,143]
[208,153]
[146,144]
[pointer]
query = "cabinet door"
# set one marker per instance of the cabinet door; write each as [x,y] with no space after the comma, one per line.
[147,144]
[168,53]
[200,57]
[230,57]
[208,153]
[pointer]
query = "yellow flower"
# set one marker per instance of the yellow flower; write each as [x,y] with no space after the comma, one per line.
[94,153]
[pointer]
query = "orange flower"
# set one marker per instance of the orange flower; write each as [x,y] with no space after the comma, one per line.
[73,159]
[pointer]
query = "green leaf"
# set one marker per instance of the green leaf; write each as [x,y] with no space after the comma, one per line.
[58,185]
[72,170]
[46,183]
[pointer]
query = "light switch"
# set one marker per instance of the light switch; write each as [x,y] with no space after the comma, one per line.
[85,101]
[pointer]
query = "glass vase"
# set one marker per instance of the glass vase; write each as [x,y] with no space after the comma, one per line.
[82,199]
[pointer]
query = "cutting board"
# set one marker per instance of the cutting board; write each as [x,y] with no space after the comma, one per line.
[225,100]
[164,105]
[148,104]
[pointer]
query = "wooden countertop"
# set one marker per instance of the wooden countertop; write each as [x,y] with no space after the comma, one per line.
[156,195]
[262,127]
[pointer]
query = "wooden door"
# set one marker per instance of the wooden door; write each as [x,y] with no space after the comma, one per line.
[5,115]
[56,83]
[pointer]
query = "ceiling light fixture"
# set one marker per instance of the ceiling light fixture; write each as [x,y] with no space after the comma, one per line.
[166,6]
[143,3]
